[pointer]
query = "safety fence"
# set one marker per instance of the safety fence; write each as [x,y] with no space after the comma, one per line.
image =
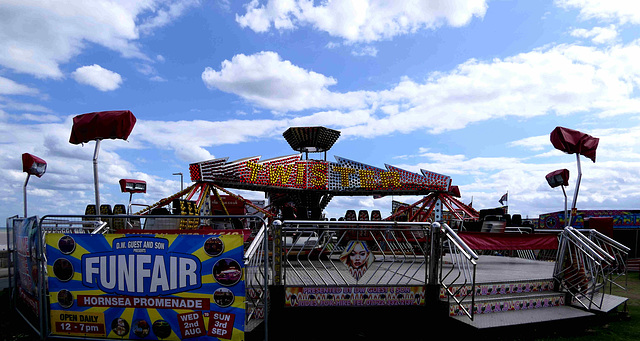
[456,279]
[89,268]
[341,253]
[123,282]
[82,276]
[258,276]
[617,266]
[587,261]
[351,263]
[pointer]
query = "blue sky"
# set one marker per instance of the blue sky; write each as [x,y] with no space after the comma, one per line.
[470,89]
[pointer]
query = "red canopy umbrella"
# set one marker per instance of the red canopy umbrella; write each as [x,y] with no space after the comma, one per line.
[574,142]
[560,178]
[97,126]
[102,125]
[32,165]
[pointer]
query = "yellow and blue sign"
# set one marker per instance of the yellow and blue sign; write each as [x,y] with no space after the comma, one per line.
[147,286]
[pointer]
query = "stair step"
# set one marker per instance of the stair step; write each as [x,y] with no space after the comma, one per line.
[603,303]
[509,303]
[502,288]
[521,317]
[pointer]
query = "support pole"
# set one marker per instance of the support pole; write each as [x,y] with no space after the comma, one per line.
[434,254]
[95,175]
[575,194]
[438,211]
[24,193]
[566,213]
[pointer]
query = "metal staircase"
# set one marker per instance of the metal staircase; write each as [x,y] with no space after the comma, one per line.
[509,303]
[574,288]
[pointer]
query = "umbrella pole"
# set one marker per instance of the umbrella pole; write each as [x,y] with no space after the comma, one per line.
[24,193]
[575,194]
[566,214]
[95,175]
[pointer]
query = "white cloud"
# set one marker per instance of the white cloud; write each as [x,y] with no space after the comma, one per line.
[98,77]
[150,71]
[365,51]
[607,183]
[361,20]
[561,80]
[622,11]
[268,81]
[9,87]
[37,36]
[189,139]
[535,143]
[598,35]
[166,12]
[22,107]
[40,118]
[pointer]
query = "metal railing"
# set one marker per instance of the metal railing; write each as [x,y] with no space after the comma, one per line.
[580,267]
[616,268]
[317,253]
[457,270]
[255,259]
[257,272]
[75,224]
[257,280]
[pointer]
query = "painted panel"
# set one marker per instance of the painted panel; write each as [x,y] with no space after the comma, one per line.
[152,286]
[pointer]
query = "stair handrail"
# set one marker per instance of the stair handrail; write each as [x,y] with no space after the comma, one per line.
[618,251]
[451,234]
[102,228]
[257,278]
[464,263]
[579,269]
[256,243]
[592,247]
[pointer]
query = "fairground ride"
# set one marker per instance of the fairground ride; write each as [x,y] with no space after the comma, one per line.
[298,187]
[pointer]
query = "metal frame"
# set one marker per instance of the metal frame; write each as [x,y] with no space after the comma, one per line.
[400,250]
[255,258]
[620,253]
[256,296]
[583,266]
[430,202]
[460,281]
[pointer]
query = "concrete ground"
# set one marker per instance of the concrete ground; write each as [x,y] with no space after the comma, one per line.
[4,278]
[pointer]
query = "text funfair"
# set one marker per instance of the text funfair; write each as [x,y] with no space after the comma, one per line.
[141,266]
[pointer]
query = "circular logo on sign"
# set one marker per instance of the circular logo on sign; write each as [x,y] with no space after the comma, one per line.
[550,222]
[65,298]
[141,328]
[227,271]
[63,269]
[120,326]
[67,245]
[223,297]
[161,329]
[214,246]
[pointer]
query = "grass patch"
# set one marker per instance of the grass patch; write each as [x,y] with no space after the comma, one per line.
[620,325]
